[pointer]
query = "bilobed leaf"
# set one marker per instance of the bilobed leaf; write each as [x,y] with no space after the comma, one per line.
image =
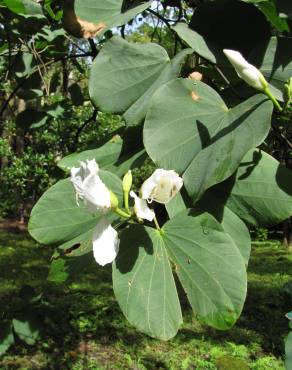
[136,113]
[171,138]
[260,193]
[230,222]
[175,205]
[25,7]
[124,76]
[6,336]
[105,155]
[275,62]
[56,218]
[144,285]
[209,266]
[197,42]
[244,127]
[127,162]
[209,140]
[107,12]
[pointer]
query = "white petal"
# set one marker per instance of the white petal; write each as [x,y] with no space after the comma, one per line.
[77,180]
[249,73]
[252,76]
[236,59]
[162,186]
[92,166]
[96,193]
[147,187]
[141,208]
[105,242]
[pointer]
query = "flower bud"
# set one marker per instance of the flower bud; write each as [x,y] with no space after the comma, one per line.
[114,200]
[288,91]
[249,73]
[127,181]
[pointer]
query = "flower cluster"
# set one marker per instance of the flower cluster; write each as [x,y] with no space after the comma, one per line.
[161,187]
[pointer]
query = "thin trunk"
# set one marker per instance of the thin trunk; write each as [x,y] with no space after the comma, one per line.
[287,233]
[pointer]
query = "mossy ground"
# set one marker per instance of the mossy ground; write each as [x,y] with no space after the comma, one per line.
[84,328]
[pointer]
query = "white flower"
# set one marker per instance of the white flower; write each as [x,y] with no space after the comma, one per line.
[141,208]
[161,186]
[105,242]
[249,73]
[89,186]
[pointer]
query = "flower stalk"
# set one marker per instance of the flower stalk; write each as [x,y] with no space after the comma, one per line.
[273,99]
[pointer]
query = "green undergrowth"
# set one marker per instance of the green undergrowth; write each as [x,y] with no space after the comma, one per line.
[83,327]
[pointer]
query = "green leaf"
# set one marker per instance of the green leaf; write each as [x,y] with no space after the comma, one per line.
[27,329]
[230,222]
[56,110]
[124,76]
[269,9]
[288,352]
[171,138]
[6,337]
[260,193]
[24,63]
[197,42]
[207,129]
[129,161]
[56,218]
[175,205]
[73,263]
[136,113]
[144,285]
[209,266]
[108,12]
[275,62]
[25,7]
[243,128]
[105,155]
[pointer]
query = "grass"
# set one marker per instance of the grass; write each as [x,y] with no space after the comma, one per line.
[84,328]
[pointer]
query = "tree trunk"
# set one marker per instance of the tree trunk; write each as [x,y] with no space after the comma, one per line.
[287,233]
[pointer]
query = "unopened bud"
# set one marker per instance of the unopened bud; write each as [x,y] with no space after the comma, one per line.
[288,91]
[127,181]
[114,200]
[248,72]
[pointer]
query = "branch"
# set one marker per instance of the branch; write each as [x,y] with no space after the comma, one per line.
[94,50]
[80,129]
[164,20]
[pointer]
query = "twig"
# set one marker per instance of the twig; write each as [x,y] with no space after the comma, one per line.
[94,51]
[80,129]
[123,31]
[227,81]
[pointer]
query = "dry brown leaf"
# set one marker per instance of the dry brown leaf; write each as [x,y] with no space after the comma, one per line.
[194,96]
[197,76]
[77,26]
